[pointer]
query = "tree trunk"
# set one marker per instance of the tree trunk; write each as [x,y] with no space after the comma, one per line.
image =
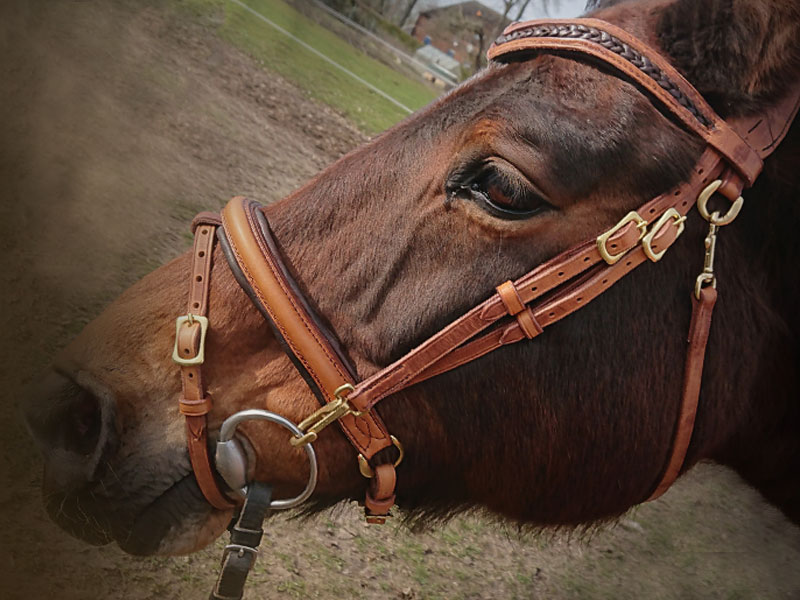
[522,9]
[407,14]
[507,6]
[479,56]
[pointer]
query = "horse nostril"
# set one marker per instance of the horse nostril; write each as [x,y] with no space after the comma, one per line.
[82,431]
[73,428]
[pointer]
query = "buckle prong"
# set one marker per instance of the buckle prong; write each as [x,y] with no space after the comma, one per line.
[678,220]
[602,240]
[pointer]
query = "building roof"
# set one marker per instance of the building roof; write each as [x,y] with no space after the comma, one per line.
[432,55]
[469,8]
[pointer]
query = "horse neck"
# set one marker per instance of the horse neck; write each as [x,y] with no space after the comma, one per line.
[751,417]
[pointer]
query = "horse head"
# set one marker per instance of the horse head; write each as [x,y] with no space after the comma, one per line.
[529,158]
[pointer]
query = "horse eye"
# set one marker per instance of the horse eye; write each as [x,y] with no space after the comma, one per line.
[503,195]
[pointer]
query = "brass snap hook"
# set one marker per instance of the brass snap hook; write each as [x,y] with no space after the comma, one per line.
[714,218]
[320,419]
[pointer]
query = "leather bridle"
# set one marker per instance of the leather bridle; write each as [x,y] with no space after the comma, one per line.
[519,310]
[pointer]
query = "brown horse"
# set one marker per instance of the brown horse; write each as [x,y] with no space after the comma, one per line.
[405,234]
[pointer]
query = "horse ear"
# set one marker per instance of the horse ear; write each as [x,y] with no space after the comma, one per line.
[740,54]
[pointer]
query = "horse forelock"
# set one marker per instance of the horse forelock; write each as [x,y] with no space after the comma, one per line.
[739,55]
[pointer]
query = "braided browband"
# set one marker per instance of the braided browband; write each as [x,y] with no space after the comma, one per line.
[613,44]
[642,63]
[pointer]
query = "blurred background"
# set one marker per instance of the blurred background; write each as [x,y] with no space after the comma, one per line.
[118,122]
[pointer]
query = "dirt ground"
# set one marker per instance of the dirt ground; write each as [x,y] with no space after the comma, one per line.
[119,121]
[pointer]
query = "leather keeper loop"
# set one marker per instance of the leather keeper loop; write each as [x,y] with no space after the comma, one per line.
[732,186]
[206,218]
[528,323]
[195,408]
[380,496]
[510,298]
[378,507]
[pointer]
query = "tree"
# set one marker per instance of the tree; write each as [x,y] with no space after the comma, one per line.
[545,4]
[522,8]
[507,6]
[409,10]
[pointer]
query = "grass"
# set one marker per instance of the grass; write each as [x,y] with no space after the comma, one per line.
[275,51]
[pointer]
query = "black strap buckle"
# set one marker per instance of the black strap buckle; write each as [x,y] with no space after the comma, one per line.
[240,555]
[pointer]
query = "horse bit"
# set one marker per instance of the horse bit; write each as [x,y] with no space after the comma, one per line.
[732,160]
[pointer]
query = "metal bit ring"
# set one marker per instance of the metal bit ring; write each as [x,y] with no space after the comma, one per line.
[227,448]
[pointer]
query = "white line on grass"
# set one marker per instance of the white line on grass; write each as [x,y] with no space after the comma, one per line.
[322,56]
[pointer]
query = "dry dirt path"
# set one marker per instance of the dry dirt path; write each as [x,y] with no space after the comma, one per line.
[118,122]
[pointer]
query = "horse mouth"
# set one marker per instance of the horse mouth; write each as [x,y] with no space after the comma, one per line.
[157,526]
[179,505]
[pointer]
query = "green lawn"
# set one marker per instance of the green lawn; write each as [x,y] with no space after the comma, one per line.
[276,51]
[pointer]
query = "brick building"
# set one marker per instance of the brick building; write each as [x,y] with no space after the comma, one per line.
[464,31]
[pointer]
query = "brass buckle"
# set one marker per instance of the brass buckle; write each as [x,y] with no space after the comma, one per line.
[714,218]
[647,241]
[363,464]
[198,358]
[631,217]
[320,419]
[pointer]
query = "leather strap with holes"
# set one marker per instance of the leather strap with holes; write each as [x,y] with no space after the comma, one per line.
[194,403]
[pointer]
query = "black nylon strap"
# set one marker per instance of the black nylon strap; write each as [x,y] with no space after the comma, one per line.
[240,555]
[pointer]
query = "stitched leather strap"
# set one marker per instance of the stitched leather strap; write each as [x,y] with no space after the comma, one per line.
[766,130]
[194,404]
[315,355]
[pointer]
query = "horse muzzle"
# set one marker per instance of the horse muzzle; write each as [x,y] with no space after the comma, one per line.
[75,431]
[94,493]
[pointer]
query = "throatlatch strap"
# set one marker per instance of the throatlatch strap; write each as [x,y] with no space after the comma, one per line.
[240,555]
